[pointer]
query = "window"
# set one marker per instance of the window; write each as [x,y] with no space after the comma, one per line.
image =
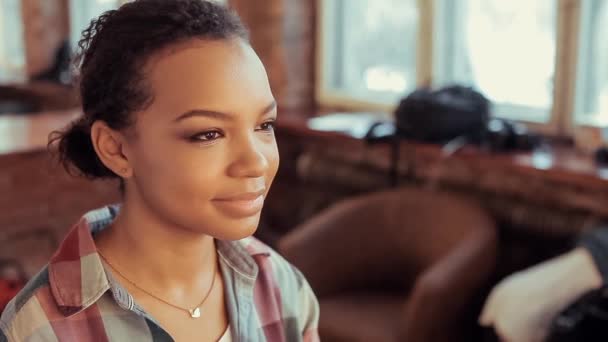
[506,49]
[369,49]
[541,62]
[591,105]
[12,58]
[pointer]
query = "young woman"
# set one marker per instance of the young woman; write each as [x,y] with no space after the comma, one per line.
[176,105]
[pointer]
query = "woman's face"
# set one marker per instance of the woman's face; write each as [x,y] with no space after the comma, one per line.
[204,154]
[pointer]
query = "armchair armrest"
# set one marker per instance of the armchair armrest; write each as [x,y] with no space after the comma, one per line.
[441,293]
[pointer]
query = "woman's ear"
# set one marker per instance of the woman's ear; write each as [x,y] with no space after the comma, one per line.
[110,146]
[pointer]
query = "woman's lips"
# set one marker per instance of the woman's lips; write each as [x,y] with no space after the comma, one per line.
[241,206]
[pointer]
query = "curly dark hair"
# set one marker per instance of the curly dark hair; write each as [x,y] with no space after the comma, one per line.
[109,63]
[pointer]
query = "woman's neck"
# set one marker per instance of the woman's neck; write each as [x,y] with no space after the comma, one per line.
[146,248]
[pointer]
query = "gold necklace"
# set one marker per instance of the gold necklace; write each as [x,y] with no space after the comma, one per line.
[194,313]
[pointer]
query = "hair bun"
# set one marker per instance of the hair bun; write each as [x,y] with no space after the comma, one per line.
[76,151]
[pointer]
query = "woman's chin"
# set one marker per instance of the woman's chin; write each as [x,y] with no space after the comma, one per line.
[238,230]
[236,234]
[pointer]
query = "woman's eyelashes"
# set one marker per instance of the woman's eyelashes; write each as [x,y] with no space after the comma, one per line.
[207,136]
[215,134]
[267,126]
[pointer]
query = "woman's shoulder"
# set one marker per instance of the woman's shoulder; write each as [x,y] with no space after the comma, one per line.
[26,311]
[280,283]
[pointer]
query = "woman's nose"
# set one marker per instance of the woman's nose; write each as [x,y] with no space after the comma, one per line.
[251,162]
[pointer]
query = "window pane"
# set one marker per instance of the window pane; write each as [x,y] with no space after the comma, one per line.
[504,48]
[592,84]
[12,56]
[373,49]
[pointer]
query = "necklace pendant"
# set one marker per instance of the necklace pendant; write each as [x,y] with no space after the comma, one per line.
[195,313]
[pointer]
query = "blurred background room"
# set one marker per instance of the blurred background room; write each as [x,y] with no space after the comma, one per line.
[429,148]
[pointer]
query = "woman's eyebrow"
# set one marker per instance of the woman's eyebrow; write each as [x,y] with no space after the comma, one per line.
[204,113]
[220,115]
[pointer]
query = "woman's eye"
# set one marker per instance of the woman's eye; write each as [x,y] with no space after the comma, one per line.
[267,126]
[207,136]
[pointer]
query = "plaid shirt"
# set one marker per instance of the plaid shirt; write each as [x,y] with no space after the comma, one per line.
[74,299]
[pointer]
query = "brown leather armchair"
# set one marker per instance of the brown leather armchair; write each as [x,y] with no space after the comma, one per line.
[401,265]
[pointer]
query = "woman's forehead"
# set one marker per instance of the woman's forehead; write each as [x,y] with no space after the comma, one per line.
[218,75]
[204,59]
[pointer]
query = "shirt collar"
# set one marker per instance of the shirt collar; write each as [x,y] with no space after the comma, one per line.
[77,276]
